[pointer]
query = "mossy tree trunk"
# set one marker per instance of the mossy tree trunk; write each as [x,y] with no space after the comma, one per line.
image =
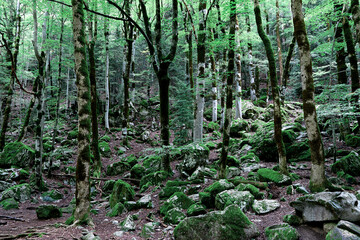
[274,89]
[229,99]
[286,73]
[82,194]
[200,86]
[278,41]
[355,11]
[238,110]
[107,91]
[96,166]
[317,178]
[340,50]
[251,66]
[353,65]
[12,58]
[214,77]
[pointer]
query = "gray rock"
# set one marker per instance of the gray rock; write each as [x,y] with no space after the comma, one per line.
[5,185]
[147,230]
[265,206]
[128,224]
[243,199]
[145,136]
[21,192]
[90,236]
[195,155]
[328,206]
[231,223]
[202,172]
[344,230]
[118,233]
[281,232]
[145,202]
[232,172]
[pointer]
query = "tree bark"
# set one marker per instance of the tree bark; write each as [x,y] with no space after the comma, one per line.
[355,10]
[251,67]
[96,167]
[107,92]
[340,50]
[317,178]
[200,86]
[230,81]
[82,194]
[274,88]
[238,111]
[286,73]
[278,40]
[214,77]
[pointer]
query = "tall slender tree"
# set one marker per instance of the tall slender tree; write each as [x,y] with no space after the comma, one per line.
[317,178]
[274,89]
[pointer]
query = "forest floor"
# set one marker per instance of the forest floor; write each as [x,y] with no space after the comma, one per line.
[23,223]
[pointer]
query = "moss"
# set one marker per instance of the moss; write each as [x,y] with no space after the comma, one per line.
[270,175]
[104,149]
[117,168]
[176,183]
[349,164]
[213,126]
[17,154]
[122,191]
[131,160]
[154,178]
[210,145]
[108,186]
[137,171]
[293,220]
[196,209]
[72,134]
[174,216]
[169,191]
[52,195]
[70,220]
[48,211]
[352,141]
[218,187]
[117,210]
[152,163]
[179,200]
[9,203]
[250,156]
[206,199]
[281,232]
[105,138]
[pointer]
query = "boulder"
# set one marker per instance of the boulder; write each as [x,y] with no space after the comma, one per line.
[174,216]
[269,175]
[128,224]
[281,232]
[21,192]
[51,196]
[137,171]
[328,206]
[352,141]
[105,149]
[117,168]
[48,211]
[117,210]
[145,202]
[154,178]
[265,206]
[122,191]
[202,172]
[243,199]
[230,224]
[344,230]
[237,126]
[17,154]
[5,185]
[219,186]
[152,163]
[147,230]
[195,155]
[9,203]
[177,200]
[349,164]
[196,209]
[293,220]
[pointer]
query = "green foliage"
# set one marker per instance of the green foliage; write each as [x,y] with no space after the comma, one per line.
[182,114]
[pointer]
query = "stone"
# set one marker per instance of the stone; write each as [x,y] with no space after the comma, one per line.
[202,172]
[51,196]
[48,211]
[352,141]
[219,186]
[117,210]
[327,227]
[195,155]
[118,234]
[265,206]
[328,206]
[177,200]
[105,149]
[9,203]
[90,236]
[293,220]
[117,168]
[206,199]
[4,185]
[145,136]
[237,126]
[147,230]
[232,172]
[108,186]
[122,191]
[154,178]
[174,216]
[270,175]
[349,164]
[137,171]
[167,192]
[196,209]
[281,232]
[229,224]
[243,199]
[344,230]
[128,224]
[152,163]
[145,202]
[17,154]
[21,192]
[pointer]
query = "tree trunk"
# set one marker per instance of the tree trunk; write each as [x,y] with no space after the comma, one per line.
[340,50]
[230,80]
[200,86]
[355,10]
[317,179]
[286,73]
[238,111]
[82,194]
[257,82]
[107,92]
[214,77]
[278,40]
[274,89]
[96,167]
[251,67]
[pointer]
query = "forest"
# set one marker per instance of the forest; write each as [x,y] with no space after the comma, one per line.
[180,119]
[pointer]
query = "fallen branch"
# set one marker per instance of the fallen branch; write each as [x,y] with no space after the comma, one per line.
[12,218]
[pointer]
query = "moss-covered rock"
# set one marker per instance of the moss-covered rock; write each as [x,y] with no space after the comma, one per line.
[174,216]
[145,202]
[344,230]
[237,126]
[196,209]
[137,171]
[117,210]
[179,200]
[265,206]
[152,163]
[349,164]
[154,178]
[206,199]
[117,168]
[251,188]
[270,175]
[21,192]
[108,186]
[52,196]
[195,155]
[298,151]
[122,191]
[17,154]
[105,138]
[72,134]
[293,220]
[105,149]
[9,203]
[48,211]
[281,232]
[167,192]
[352,141]
[243,199]
[219,186]
[131,160]
[230,224]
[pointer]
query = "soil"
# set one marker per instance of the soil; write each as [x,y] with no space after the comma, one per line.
[22,223]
